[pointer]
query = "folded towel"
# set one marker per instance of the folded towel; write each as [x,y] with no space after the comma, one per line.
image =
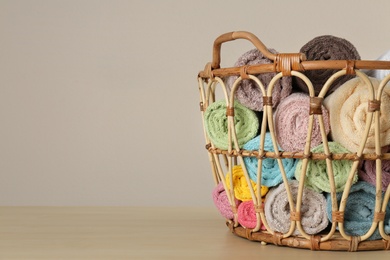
[216,125]
[271,174]
[317,174]
[367,171]
[221,201]
[359,210]
[326,47]
[248,93]
[246,215]
[313,209]
[380,74]
[240,185]
[291,122]
[347,108]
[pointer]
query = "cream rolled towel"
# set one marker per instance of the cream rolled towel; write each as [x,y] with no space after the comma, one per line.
[347,108]
[313,209]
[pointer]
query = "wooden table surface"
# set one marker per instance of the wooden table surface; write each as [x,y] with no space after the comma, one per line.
[136,233]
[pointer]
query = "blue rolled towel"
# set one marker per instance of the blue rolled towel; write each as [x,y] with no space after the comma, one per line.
[271,175]
[359,210]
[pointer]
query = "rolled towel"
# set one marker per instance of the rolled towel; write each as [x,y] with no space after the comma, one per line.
[248,93]
[326,47]
[380,74]
[221,201]
[313,209]
[271,175]
[216,124]
[367,171]
[317,174]
[347,108]
[246,215]
[291,122]
[359,211]
[240,185]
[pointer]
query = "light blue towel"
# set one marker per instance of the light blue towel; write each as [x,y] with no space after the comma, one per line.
[271,175]
[359,211]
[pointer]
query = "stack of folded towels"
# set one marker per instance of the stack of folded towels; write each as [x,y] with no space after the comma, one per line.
[344,112]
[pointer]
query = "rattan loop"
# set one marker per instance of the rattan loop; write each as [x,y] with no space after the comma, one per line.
[354,243]
[286,62]
[386,244]
[356,157]
[374,105]
[307,156]
[315,242]
[267,101]
[261,155]
[295,216]
[315,106]
[201,106]
[277,238]
[338,216]
[230,226]
[243,72]
[329,156]
[379,216]
[378,156]
[248,234]
[350,67]
[259,208]
[230,111]
[208,72]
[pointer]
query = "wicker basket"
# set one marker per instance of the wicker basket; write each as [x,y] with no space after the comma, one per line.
[212,80]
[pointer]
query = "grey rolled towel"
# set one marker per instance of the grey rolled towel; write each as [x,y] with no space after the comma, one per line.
[248,93]
[313,210]
[325,47]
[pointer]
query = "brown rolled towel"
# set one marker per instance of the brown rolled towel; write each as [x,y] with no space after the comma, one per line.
[248,93]
[325,47]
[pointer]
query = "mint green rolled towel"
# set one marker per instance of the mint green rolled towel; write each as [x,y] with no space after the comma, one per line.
[216,124]
[317,174]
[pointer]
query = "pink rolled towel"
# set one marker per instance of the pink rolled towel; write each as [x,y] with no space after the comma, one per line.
[248,93]
[247,215]
[367,171]
[292,120]
[221,201]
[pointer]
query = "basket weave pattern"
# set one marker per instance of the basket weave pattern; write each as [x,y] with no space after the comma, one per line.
[222,161]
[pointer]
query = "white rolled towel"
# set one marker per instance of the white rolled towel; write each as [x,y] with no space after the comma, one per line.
[380,74]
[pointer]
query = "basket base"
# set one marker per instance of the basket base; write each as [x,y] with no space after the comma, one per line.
[337,243]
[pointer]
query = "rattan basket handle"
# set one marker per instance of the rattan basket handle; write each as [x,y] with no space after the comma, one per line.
[230,36]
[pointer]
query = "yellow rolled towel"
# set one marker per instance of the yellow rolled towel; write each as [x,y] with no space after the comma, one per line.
[240,185]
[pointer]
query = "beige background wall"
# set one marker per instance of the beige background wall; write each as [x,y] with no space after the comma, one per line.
[99,101]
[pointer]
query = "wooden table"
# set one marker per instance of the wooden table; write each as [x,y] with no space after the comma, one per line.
[136,233]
